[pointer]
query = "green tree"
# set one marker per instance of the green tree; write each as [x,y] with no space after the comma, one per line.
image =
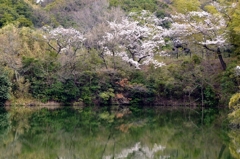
[234,27]
[184,6]
[138,5]
[234,104]
[12,11]
[4,88]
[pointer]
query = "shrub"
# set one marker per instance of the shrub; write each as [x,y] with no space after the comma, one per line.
[4,88]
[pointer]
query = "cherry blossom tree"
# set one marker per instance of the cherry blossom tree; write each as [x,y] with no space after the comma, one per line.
[62,40]
[136,42]
[68,45]
[200,28]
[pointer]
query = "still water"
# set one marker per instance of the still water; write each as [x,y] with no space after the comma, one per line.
[69,133]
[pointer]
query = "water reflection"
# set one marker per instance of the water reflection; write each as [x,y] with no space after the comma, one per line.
[139,151]
[86,134]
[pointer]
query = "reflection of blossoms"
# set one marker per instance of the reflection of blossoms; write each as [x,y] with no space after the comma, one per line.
[139,152]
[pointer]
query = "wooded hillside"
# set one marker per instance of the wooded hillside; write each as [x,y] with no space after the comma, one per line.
[148,52]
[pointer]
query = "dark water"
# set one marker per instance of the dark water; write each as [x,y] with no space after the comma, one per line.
[27,133]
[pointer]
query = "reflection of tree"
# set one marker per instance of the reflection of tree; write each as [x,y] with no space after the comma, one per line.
[17,124]
[182,138]
[4,123]
[62,133]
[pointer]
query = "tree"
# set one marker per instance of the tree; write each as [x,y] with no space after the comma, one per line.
[68,46]
[62,40]
[4,88]
[234,26]
[200,29]
[184,6]
[15,12]
[135,42]
[234,104]
[139,5]
[10,48]
[95,13]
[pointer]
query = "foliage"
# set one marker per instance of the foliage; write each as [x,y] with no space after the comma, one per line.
[229,82]
[63,92]
[184,6]
[234,104]
[107,117]
[210,98]
[15,11]
[209,115]
[44,84]
[234,118]
[234,26]
[4,88]
[235,101]
[107,95]
[88,84]
[138,77]
[137,5]
[92,58]
[234,143]
[4,122]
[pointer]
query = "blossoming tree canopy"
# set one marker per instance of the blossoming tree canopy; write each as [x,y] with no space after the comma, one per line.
[210,27]
[200,28]
[136,43]
[63,40]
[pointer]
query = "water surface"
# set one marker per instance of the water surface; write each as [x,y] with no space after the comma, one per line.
[28,133]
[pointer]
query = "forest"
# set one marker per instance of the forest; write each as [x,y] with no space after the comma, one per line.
[121,52]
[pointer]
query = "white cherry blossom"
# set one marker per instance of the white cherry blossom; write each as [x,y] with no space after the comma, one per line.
[136,43]
[211,27]
[64,40]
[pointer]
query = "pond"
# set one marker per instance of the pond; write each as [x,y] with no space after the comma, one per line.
[91,133]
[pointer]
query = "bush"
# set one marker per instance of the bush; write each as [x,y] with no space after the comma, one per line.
[210,97]
[228,82]
[4,88]
[234,104]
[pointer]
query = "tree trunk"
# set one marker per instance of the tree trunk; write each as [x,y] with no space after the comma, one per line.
[202,96]
[223,64]
[104,61]
[114,63]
